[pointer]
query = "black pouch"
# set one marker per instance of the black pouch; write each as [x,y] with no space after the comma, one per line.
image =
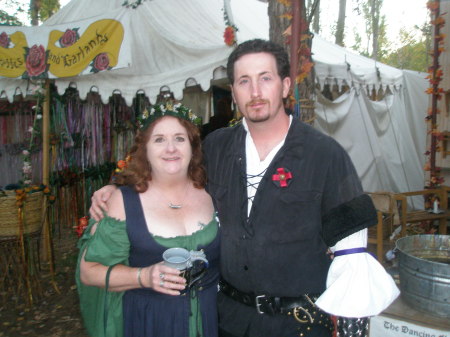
[194,274]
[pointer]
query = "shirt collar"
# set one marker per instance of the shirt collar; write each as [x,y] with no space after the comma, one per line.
[254,164]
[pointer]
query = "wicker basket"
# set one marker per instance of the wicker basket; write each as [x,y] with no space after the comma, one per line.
[32,214]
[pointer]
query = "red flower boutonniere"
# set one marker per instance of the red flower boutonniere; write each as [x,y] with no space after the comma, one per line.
[282,177]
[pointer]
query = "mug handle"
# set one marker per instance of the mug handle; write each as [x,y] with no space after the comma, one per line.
[198,255]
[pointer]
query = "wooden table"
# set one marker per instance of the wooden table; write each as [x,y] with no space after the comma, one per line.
[414,216]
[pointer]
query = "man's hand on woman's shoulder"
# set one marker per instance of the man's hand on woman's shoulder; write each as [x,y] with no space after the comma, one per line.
[99,199]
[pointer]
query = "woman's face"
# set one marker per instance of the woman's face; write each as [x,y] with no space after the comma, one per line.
[169,150]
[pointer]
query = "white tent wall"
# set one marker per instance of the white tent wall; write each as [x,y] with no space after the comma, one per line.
[171,41]
[385,139]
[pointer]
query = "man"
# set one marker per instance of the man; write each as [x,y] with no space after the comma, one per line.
[284,193]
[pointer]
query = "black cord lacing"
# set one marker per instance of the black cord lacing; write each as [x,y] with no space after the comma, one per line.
[255,184]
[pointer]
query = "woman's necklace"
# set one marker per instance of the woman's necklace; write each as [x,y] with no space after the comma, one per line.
[176,206]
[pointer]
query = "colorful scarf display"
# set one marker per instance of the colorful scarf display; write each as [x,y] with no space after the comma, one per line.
[87,138]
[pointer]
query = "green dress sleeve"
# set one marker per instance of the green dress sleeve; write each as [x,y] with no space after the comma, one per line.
[109,246]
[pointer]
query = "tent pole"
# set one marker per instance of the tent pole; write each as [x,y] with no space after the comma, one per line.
[45,134]
[434,101]
[45,162]
[47,254]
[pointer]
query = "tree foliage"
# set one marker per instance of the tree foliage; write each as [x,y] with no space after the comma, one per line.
[340,25]
[374,29]
[313,12]
[11,18]
[41,10]
[36,10]
[412,53]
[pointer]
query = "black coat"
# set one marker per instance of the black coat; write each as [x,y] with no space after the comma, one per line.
[281,248]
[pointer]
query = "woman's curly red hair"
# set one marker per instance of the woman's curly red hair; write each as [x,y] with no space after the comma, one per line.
[139,171]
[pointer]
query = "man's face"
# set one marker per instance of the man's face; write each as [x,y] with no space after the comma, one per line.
[258,89]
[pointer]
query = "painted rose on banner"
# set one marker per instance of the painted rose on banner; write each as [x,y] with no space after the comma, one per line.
[4,40]
[100,63]
[36,62]
[69,37]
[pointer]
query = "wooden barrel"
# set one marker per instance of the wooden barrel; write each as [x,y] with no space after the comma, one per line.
[32,214]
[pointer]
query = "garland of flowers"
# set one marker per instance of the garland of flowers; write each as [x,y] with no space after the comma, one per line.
[27,170]
[435,75]
[229,35]
[35,131]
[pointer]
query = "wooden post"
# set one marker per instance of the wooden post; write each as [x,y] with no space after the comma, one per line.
[45,163]
[46,135]
[295,42]
[47,254]
[434,100]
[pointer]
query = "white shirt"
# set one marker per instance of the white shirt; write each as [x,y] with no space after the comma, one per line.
[255,166]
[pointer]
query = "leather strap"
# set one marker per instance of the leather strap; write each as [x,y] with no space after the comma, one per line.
[106,302]
[268,304]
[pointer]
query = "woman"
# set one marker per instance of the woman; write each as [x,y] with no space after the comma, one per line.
[161,204]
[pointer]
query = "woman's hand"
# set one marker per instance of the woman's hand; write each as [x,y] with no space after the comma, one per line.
[163,279]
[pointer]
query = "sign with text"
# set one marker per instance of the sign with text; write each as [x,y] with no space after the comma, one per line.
[67,53]
[383,326]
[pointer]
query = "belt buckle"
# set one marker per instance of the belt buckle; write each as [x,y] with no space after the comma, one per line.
[307,315]
[258,305]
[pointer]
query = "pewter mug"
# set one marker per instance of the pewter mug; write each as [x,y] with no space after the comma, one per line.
[193,264]
[181,259]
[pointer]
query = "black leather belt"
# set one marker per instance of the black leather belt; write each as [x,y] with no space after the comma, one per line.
[269,304]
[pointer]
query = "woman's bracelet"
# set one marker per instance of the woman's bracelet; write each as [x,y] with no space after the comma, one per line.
[139,277]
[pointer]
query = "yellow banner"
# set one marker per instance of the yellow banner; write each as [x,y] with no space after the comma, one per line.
[12,63]
[99,44]
[67,53]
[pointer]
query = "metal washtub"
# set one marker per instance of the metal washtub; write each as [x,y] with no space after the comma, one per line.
[424,270]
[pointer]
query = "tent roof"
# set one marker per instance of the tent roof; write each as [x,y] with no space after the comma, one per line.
[169,42]
[337,65]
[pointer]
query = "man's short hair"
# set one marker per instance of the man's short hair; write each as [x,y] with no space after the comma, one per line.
[259,46]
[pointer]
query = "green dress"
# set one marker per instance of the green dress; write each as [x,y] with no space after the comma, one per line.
[101,310]
[191,242]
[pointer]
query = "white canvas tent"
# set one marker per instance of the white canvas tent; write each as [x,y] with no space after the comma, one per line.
[386,139]
[165,43]
[168,42]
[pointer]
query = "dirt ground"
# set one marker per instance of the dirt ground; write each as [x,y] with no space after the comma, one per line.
[52,314]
